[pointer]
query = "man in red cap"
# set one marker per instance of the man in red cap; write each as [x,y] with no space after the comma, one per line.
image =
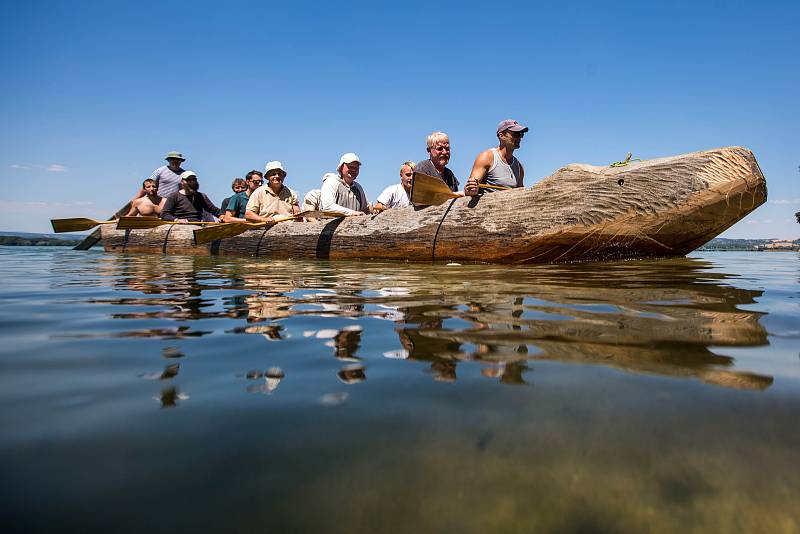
[498,166]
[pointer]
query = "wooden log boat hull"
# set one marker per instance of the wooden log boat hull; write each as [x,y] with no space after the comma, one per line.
[655,208]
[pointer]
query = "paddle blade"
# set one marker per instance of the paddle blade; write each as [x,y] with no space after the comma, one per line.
[139,223]
[213,233]
[429,190]
[95,237]
[76,224]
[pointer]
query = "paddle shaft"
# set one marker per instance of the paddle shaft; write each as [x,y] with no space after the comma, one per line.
[206,235]
[96,236]
[143,223]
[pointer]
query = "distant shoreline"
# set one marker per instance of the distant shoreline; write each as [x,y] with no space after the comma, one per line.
[19,241]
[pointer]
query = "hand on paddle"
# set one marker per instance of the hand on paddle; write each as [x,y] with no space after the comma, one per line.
[471,189]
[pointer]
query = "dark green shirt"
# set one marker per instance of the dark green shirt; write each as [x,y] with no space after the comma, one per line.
[237,204]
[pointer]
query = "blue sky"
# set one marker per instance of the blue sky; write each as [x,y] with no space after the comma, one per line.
[95,93]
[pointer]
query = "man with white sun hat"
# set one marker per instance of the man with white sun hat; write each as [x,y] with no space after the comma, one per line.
[273,198]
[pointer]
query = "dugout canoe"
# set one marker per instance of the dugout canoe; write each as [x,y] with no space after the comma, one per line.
[654,208]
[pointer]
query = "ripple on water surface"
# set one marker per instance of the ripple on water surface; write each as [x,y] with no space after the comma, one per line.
[240,394]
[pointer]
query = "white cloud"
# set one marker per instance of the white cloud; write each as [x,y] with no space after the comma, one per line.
[785,201]
[762,221]
[53,167]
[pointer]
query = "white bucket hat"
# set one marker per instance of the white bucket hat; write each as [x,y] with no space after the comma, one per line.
[272,165]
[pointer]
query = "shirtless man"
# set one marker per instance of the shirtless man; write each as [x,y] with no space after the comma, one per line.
[498,166]
[150,204]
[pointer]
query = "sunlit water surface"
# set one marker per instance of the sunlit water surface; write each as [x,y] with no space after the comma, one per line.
[148,393]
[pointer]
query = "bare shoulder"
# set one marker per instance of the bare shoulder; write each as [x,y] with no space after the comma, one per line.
[485,158]
[482,164]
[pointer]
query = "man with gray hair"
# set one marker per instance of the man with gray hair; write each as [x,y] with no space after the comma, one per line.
[340,192]
[397,195]
[435,165]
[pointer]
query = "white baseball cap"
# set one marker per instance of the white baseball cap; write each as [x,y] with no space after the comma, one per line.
[272,165]
[348,158]
[186,174]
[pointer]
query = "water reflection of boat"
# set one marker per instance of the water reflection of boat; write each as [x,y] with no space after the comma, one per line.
[664,328]
[668,317]
[660,207]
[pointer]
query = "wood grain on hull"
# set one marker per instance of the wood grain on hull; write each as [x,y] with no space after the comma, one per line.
[661,207]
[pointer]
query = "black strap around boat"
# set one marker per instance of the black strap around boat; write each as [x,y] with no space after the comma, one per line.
[166,238]
[260,239]
[436,235]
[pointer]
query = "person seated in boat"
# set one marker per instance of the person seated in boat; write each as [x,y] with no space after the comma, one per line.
[237,186]
[148,205]
[187,204]
[340,192]
[273,198]
[397,195]
[498,167]
[167,177]
[312,201]
[439,156]
[237,206]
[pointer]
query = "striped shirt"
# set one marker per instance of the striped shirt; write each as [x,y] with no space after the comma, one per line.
[167,182]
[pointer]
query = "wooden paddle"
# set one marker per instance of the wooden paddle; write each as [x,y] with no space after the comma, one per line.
[75,224]
[431,191]
[141,223]
[207,235]
[95,237]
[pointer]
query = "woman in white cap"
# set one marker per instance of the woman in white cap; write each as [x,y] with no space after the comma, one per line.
[341,192]
[272,198]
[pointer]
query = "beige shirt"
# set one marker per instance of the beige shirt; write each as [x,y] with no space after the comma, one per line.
[265,203]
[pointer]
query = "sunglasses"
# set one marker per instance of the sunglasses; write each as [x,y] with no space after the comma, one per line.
[259,182]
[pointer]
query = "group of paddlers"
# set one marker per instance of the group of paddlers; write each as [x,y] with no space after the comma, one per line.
[173,193]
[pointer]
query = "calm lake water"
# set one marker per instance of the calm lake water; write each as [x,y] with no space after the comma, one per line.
[148,393]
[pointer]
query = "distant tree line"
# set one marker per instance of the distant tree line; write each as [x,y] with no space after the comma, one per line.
[16,241]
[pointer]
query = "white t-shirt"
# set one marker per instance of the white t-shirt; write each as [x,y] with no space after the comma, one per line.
[312,200]
[394,196]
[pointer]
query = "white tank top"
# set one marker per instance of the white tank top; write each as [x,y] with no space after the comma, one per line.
[502,174]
